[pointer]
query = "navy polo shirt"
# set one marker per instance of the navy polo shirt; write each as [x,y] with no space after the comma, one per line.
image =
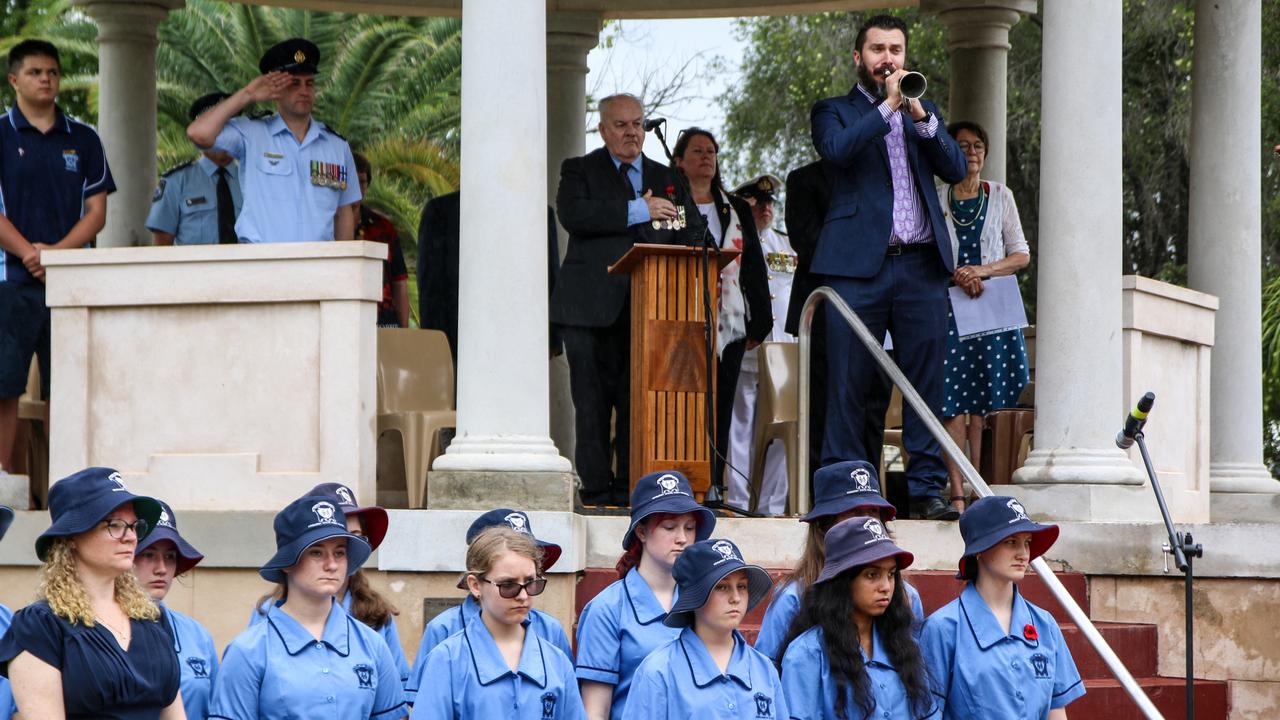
[45,179]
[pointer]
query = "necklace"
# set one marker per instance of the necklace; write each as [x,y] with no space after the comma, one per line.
[955,215]
[122,638]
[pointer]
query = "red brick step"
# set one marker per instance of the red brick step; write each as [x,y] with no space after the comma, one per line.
[1106,700]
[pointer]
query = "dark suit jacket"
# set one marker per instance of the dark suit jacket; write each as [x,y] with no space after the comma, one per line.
[849,133]
[438,235]
[808,197]
[592,204]
[754,276]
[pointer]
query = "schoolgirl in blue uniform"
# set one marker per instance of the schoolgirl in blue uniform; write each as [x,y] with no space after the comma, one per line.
[842,490]
[709,670]
[94,645]
[851,653]
[450,621]
[621,625]
[496,667]
[309,658]
[356,596]
[7,706]
[160,558]
[991,653]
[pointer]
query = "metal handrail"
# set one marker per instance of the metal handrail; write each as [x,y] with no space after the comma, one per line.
[909,394]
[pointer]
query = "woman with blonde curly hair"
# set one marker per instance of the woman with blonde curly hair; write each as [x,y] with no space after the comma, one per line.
[93,623]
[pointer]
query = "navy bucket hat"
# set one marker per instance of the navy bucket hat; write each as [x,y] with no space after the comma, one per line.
[859,541]
[996,517]
[304,522]
[700,567]
[167,529]
[78,502]
[666,491]
[517,521]
[6,519]
[844,486]
[373,518]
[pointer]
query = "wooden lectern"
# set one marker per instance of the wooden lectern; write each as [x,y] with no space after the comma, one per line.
[669,423]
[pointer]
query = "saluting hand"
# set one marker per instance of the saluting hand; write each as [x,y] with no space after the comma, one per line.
[660,208]
[268,87]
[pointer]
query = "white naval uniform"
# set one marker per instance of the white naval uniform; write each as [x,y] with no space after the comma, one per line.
[781,262]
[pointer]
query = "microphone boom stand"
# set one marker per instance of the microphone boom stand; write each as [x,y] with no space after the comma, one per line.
[715,498]
[1183,549]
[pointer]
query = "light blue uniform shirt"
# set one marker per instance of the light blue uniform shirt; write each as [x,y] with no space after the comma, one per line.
[785,605]
[979,671]
[456,618]
[276,670]
[637,209]
[680,680]
[284,199]
[616,631]
[7,706]
[186,202]
[388,632]
[197,659]
[469,680]
[811,691]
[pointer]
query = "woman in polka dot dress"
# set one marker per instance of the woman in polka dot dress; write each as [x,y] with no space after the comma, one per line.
[987,372]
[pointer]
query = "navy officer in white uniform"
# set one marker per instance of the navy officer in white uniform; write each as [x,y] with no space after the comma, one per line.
[196,203]
[298,176]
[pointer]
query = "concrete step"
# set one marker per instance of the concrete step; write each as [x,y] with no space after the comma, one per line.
[1106,700]
[1134,643]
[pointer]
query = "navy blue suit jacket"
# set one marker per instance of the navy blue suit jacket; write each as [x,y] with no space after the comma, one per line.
[849,133]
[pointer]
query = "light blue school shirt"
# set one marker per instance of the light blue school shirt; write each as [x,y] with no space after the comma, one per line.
[811,690]
[680,680]
[469,680]
[388,632]
[276,670]
[285,200]
[616,631]
[785,605]
[7,706]
[185,204]
[459,616]
[979,671]
[197,659]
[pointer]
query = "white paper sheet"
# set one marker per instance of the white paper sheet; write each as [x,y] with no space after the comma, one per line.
[997,309]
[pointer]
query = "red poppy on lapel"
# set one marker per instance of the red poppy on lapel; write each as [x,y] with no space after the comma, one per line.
[1029,632]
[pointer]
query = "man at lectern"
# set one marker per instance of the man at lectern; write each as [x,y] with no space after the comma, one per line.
[608,200]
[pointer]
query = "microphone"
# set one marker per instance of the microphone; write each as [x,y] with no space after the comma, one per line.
[1133,424]
[653,124]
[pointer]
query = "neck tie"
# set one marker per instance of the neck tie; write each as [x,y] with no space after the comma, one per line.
[624,171]
[226,211]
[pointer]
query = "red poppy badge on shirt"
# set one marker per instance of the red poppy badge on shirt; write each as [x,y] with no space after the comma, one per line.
[1029,632]
[671,191]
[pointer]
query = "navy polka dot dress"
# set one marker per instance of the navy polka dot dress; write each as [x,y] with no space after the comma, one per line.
[988,372]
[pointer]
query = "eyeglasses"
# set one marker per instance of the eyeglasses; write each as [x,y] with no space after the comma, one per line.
[510,588]
[976,147]
[118,528]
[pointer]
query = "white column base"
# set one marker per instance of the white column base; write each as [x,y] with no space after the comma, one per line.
[502,453]
[1241,477]
[1078,466]
[1244,507]
[1086,503]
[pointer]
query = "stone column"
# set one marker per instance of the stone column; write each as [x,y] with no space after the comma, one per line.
[979,46]
[127,111]
[1075,470]
[1225,237]
[503,451]
[570,36]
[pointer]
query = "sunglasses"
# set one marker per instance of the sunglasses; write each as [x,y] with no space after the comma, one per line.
[510,588]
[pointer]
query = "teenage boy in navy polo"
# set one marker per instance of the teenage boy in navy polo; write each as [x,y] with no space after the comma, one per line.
[54,183]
